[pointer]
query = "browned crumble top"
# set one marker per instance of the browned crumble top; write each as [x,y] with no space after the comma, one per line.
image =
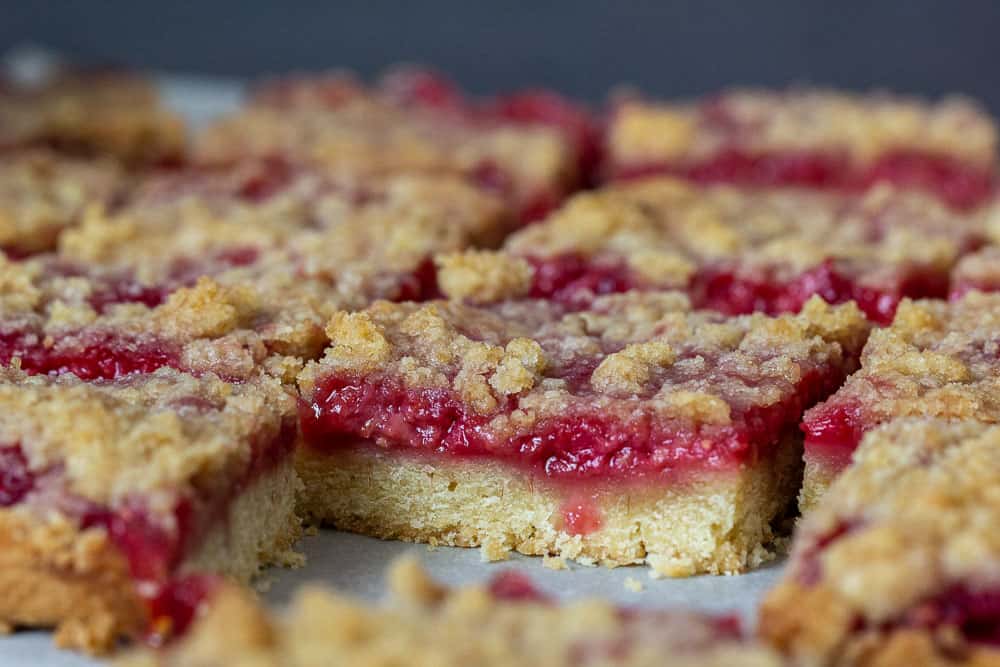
[936,359]
[42,193]
[111,114]
[864,127]
[369,133]
[980,269]
[664,230]
[629,350]
[213,327]
[149,436]
[427,624]
[914,516]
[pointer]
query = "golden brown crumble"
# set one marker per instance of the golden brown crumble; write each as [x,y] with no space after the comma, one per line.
[42,193]
[482,276]
[980,270]
[663,231]
[937,359]
[863,127]
[427,624]
[109,114]
[149,436]
[910,521]
[369,133]
[641,348]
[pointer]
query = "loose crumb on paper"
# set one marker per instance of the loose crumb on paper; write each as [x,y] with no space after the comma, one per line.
[634,585]
[554,562]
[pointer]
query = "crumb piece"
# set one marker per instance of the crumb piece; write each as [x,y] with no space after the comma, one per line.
[634,585]
[554,562]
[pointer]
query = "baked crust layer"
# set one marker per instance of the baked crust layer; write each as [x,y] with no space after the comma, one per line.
[717,523]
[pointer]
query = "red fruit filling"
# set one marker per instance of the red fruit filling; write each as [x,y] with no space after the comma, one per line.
[105,357]
[574,281]
[960,185]
[513,586]
[833,431]
[568,446]
[15,478]
[176,605]
[975,613]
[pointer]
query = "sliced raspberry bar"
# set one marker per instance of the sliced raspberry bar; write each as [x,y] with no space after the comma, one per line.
[635,431]
[119,499]
[898,563]
[504,623]
[733,250]
[812,138]
[102,113]
[937,359]
[43,193]
[532,148]
[273,223]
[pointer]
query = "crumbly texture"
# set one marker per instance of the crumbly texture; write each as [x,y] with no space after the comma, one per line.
[427,624]
[350,231]
[719,524]
[978,271]
[938,359]
[43,193]
[151,436]
[365,131]
[663,233]
[912,520]
[112,114]
[639,351]
[53,574]
[862,127]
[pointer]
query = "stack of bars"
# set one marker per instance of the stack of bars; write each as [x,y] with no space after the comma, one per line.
[651,336]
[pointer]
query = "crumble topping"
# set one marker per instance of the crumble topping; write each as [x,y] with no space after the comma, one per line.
[314,222]
[862,127]
[664,230]
[112,114]
[482,276]
[902,542]
[152,435]
[42,193]
[937,359]
[978,271]
[425,623]
[348,128]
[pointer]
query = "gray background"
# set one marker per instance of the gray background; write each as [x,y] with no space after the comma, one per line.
[582,47]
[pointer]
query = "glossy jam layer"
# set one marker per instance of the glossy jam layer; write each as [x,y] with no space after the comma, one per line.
[833,431]
[104,356]
[974,613]
[960,185]
[573,445]
[573,280]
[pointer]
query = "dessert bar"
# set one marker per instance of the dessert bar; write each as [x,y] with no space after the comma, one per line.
[897,564]
[90,113]
[635,431]
[937,359]
[531,148]
[506,622]
[812,138]
[120,499]
[734,250]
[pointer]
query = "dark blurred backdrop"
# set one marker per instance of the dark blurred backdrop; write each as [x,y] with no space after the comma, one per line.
[582,47]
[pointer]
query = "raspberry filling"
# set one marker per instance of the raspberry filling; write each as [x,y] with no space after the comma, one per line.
[975,613]
[574,281]
[103,356]
[833,431]
[574,445]
[153,551]
[960,185]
